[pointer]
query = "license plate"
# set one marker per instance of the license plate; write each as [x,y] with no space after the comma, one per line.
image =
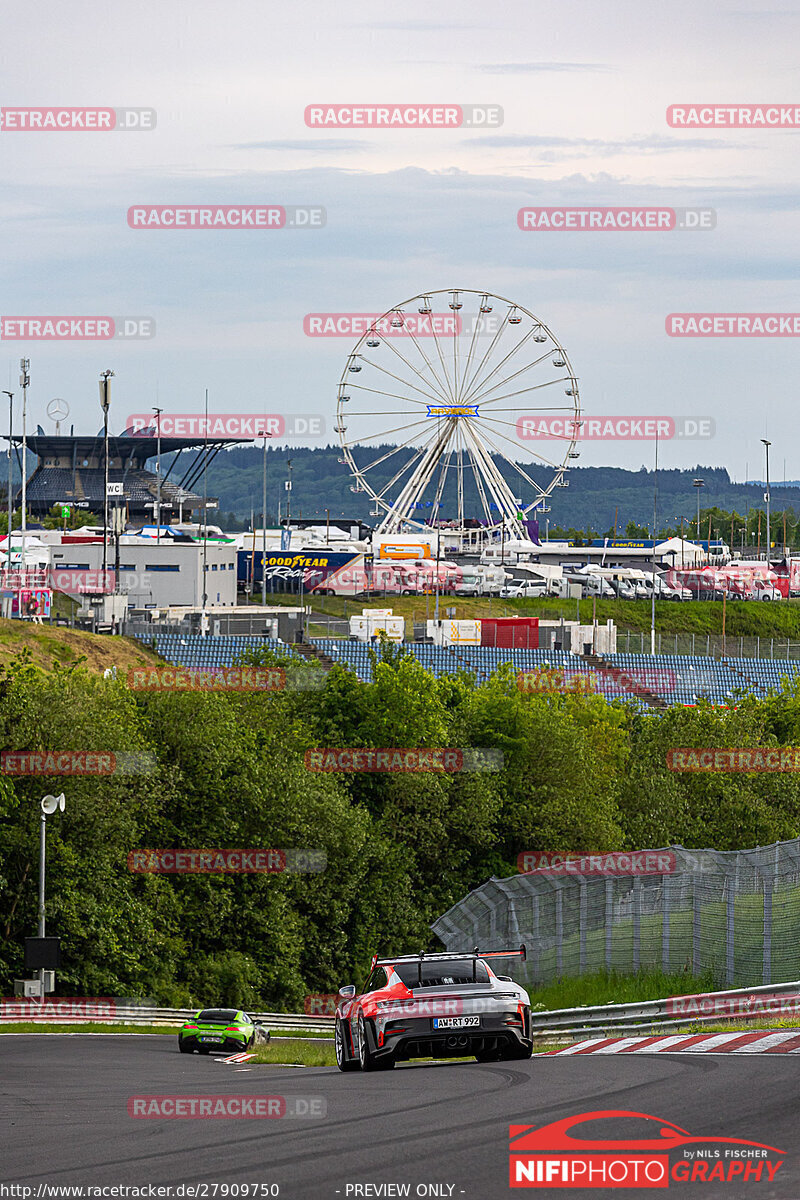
[455,1022]
[212,1039]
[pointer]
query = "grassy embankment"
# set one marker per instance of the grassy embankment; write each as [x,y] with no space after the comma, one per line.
[51,645]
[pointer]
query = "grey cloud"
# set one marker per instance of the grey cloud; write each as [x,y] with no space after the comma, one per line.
[555,148]
[534,68]
[308,145]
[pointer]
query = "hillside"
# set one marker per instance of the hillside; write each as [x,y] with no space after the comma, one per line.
[594,496]
[49,645]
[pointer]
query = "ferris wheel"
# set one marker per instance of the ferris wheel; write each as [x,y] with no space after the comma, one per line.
[440,414]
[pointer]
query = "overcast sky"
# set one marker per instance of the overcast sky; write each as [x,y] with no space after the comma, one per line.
[584,88]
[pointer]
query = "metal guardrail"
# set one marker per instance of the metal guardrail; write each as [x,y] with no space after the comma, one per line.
[645,1016]
[14,1012]
[562,1024]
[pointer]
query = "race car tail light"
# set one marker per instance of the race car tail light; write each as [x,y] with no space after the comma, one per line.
[516,1020]
[191,1027]
[233,1029]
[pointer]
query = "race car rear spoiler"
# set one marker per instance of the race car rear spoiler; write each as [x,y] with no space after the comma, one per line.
[474,954]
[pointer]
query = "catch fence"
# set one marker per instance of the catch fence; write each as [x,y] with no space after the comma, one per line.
[734,913]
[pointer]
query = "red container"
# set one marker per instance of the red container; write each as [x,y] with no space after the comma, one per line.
[511,633]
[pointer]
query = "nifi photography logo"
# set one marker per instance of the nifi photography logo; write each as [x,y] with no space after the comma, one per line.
[621,1149]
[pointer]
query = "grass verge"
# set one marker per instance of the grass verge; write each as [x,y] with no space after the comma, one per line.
[613,988]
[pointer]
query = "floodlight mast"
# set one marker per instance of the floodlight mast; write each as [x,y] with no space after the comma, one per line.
[49,804]
[105,402]
[10,475]
[158,412]
[24,381]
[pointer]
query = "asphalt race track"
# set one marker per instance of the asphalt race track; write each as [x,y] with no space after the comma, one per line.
[64,1118]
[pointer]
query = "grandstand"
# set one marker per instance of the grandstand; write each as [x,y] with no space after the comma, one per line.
[674,679]
[195,652]
[70,471]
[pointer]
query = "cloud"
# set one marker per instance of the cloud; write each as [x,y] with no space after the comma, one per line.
[537,67]
[417,26]
[557,148]
[308,145]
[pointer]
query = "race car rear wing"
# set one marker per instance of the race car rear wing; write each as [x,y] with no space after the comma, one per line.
[475,954]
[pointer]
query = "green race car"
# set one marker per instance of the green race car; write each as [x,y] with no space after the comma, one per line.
[221,1029]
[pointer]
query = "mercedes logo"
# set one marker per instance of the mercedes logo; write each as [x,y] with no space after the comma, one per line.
[58,410]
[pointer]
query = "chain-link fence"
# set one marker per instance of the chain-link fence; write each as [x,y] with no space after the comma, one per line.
[735,913]
[711,644]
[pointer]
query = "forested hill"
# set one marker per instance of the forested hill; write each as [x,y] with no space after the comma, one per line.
[320,481]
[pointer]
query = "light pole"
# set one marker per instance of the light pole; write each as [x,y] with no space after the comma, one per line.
[49,805]
[158,412]
[10,472]
[24,381]
[289,494]
[655,518]
[697,484]
[264,435]
[766,446]
[105,402]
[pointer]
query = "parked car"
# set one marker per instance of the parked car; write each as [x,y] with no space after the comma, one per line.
[765,591]
[623,589]
[530,589]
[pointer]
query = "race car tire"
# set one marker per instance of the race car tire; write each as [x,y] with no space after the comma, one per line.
[506,1054]
[340,1043]
[203,1049]
[184,1049]
[367,1060]
[515,1053]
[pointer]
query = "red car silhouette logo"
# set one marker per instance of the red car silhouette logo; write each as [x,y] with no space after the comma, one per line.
[568,1153]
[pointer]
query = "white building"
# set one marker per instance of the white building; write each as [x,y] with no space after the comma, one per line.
[153,575]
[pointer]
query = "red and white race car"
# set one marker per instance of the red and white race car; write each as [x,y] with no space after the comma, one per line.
[433,1006]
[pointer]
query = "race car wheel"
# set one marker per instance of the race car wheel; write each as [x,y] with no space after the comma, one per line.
[367,1060]
[514,1053]
[203,1049]
[343,1062]
[184,1049]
